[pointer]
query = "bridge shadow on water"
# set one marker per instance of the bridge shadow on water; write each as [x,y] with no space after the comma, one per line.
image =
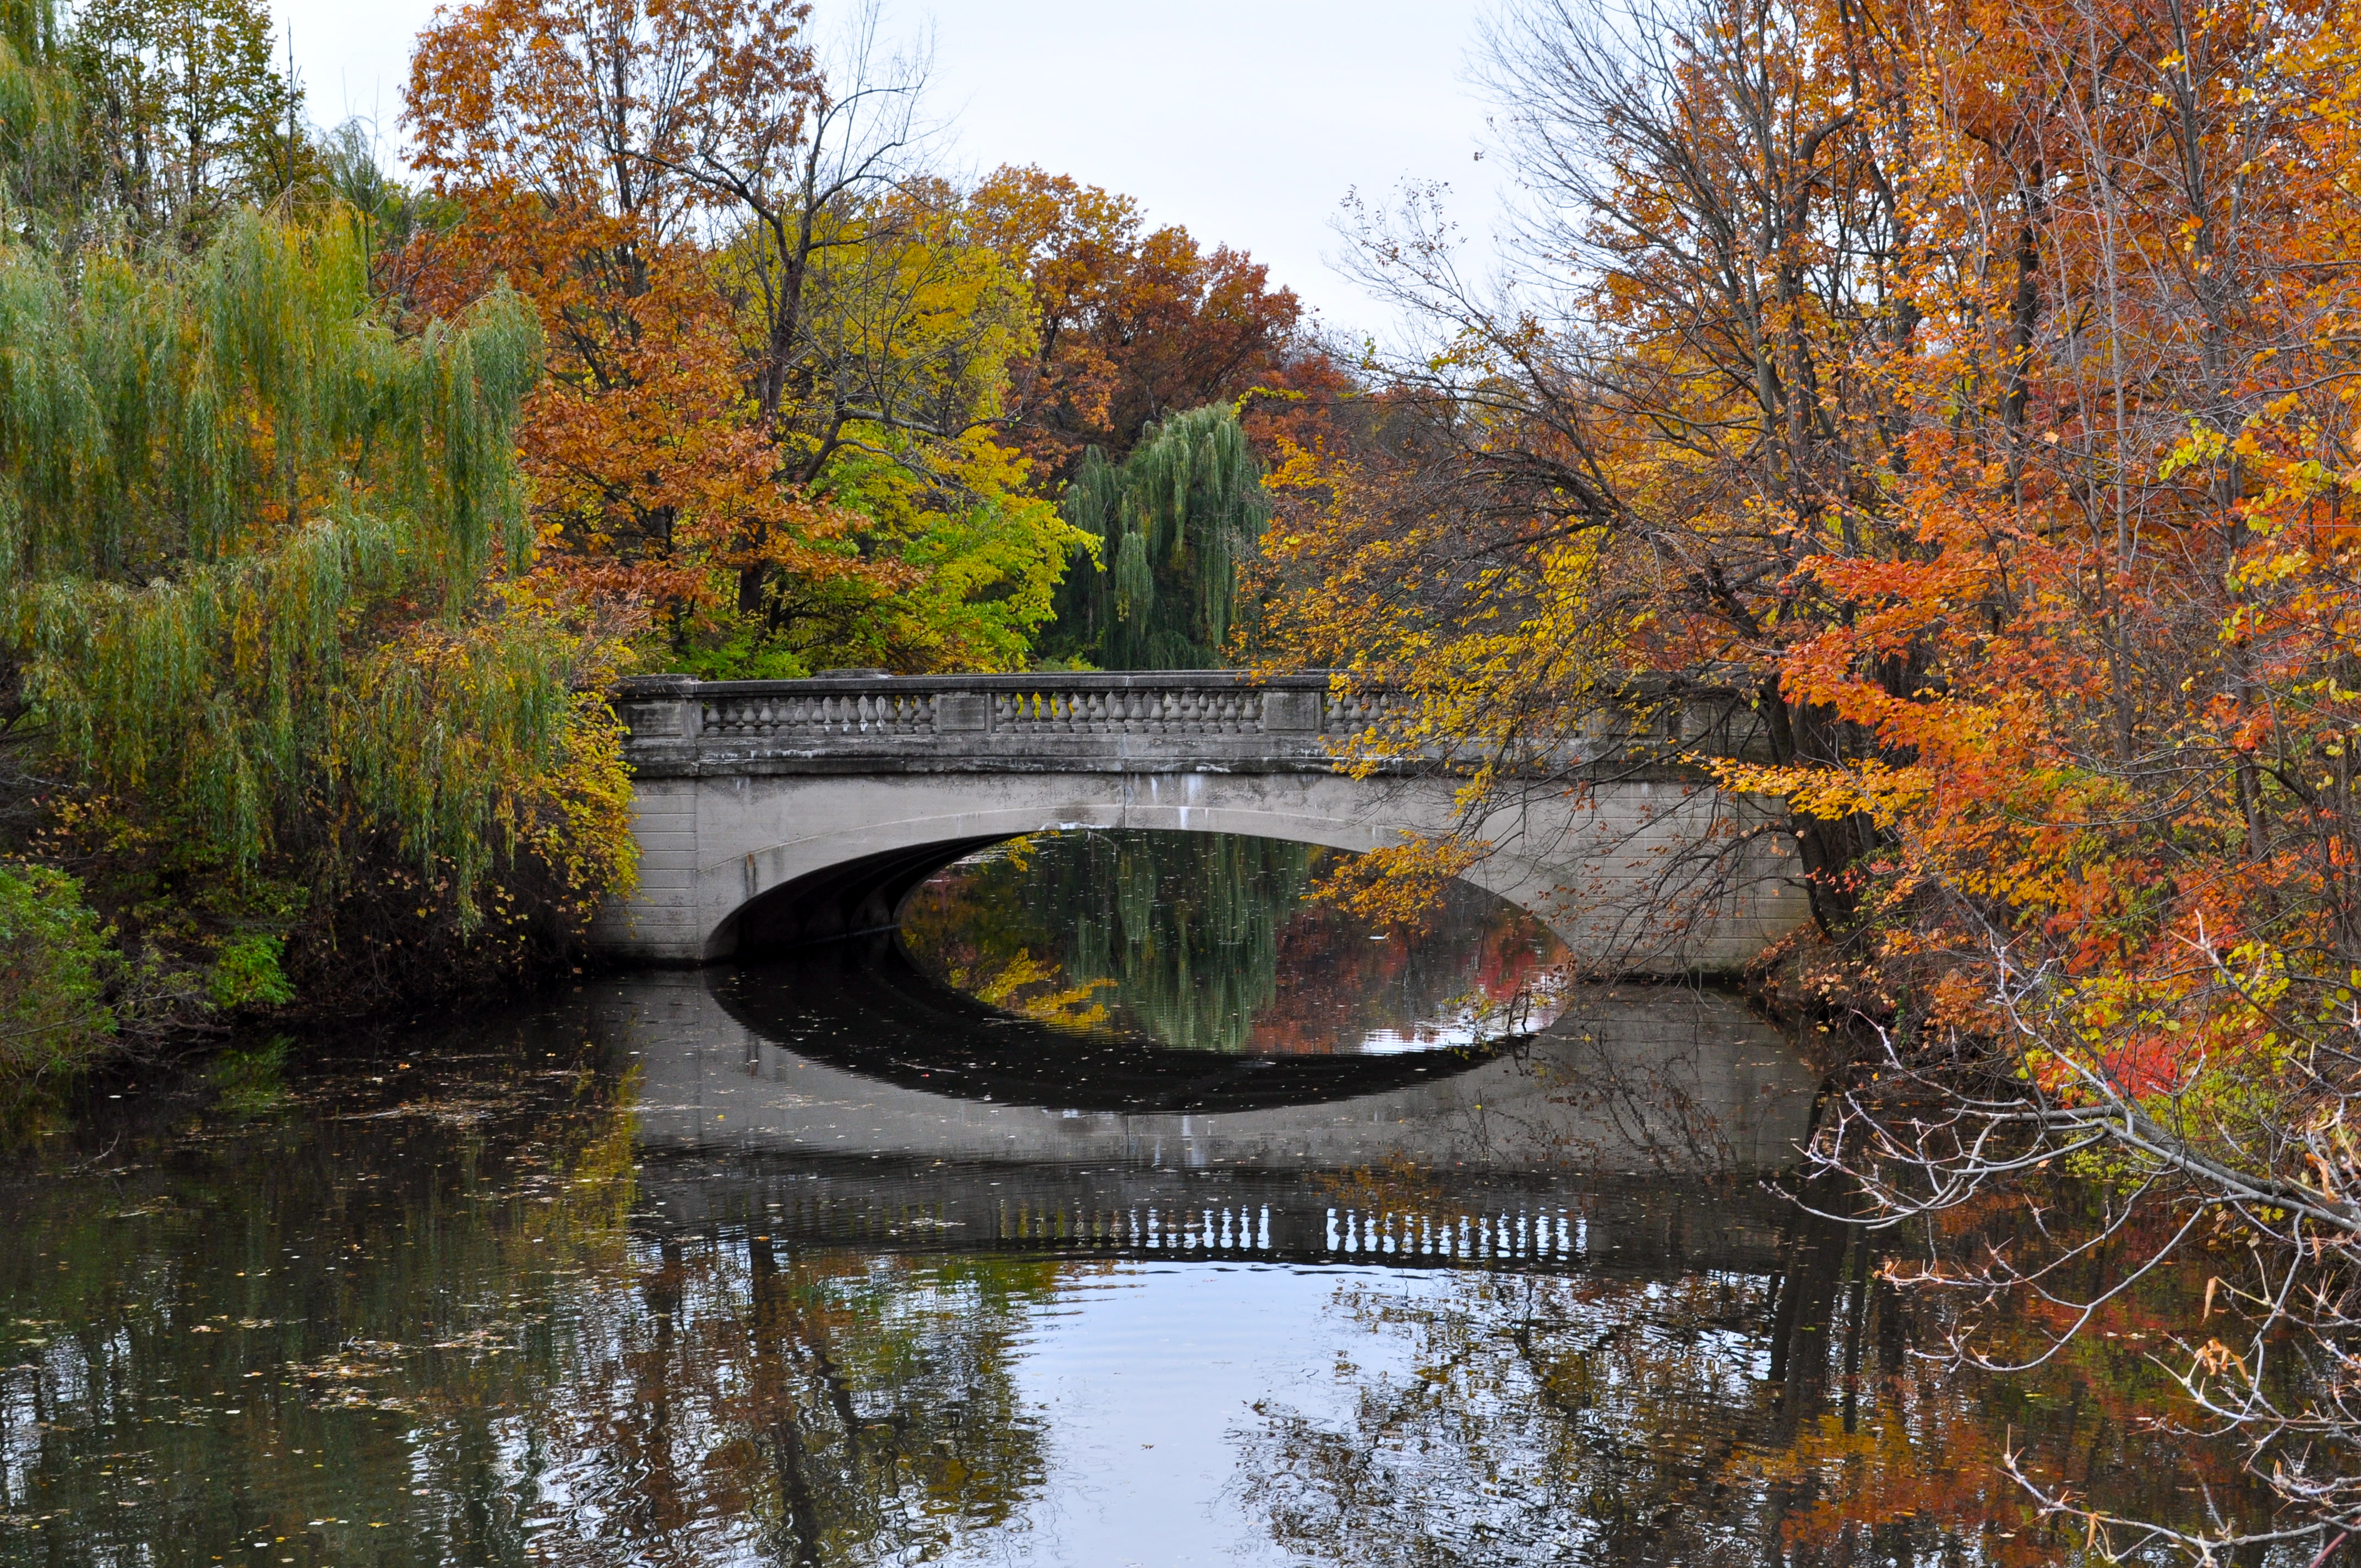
[862,1005]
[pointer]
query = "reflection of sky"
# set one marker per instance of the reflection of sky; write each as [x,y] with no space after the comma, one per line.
[1142,1376]
[1478,1019]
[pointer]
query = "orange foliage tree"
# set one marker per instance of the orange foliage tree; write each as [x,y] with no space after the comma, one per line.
[1136,324]
[778,357]
[1972,388]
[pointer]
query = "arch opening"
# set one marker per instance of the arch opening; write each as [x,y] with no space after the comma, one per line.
[850,898]
[1223,943]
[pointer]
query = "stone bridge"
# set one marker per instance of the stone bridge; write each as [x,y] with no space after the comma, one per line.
[771,813]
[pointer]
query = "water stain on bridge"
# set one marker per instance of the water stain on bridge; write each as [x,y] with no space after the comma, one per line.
[1125,1208]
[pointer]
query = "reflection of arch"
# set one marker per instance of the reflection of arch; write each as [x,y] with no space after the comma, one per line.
[921,1035]
[753,861]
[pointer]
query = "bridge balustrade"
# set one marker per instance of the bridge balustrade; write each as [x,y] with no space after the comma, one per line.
[1221,721]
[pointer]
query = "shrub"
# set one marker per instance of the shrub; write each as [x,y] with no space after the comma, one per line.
[246,974]
[54,961]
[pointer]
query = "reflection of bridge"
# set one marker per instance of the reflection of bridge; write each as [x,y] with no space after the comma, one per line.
[747,1111]
[1661,1079]
[769,812]
[1588,1225]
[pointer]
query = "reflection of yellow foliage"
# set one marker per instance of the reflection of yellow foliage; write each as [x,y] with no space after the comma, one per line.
[1069,1006]
[1398,1185]
[595,1185]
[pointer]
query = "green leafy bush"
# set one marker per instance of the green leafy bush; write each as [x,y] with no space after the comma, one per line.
[54,960]
[246,974]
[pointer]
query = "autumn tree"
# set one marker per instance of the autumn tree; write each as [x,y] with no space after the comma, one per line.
[1137,325]
[2117,790]
[1619,469]
[779,354]
[187,112]
[1966,387]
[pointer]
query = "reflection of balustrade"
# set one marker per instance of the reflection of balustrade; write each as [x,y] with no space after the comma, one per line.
[1527,1236]
[1523,1236]
[1215,719]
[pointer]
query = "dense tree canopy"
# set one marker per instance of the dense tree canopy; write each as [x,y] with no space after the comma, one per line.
[273,661]
[1135,326]
[187,112]
[327,504]
[781,350]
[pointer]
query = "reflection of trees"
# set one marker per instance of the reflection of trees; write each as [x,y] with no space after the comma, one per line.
[1713,1419]
[1208,943]
[439,1313]
[1185,925]
[831,1410]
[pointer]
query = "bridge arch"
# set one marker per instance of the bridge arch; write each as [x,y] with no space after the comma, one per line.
[778,812]
[864,855]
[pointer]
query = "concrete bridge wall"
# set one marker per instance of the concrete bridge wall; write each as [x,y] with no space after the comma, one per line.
[774,812]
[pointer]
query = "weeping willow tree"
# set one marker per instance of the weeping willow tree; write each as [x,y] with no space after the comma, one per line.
[254,550]
[1174,521]
[1188,928]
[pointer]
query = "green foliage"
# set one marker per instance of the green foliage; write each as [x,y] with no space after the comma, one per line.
[399,928]
[745,649]
[249,1081]
[246,974]
[188,113]
[54,959]
[1181,931]
[227,492]
[1201,965]
[1175,521]
[40,151]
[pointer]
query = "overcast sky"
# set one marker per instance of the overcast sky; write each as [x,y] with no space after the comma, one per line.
[1246,121]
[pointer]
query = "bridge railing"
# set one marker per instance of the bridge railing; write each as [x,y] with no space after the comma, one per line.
[1214,719]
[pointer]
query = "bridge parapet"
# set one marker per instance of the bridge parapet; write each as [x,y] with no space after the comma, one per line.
[1165,721]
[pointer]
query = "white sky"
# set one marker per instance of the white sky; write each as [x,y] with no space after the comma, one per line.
[1246,121]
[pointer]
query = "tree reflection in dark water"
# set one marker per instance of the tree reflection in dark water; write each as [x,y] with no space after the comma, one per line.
[1209,941]
[426,1316]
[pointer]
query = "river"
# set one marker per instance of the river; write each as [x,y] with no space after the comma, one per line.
[1126,1207]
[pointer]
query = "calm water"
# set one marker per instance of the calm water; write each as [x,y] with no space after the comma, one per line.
[1213,942]
[829,1262]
